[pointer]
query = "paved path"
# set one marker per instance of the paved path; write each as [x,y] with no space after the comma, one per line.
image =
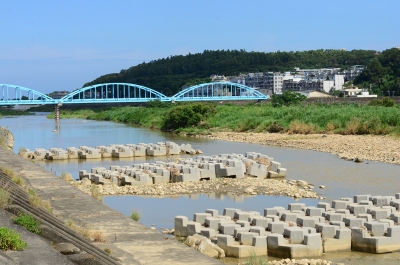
[131,242]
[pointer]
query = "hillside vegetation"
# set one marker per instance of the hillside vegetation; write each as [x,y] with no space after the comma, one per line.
[168,75]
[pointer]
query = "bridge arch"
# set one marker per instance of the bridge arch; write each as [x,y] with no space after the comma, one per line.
[113,93]
[18,95]
[218,91]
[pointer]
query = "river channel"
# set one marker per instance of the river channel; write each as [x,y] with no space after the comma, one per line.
[342,178]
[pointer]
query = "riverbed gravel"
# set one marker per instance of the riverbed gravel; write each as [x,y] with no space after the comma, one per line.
[351,147]
[247,186]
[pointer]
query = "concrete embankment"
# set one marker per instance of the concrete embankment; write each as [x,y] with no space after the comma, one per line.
[364,147]
[129,241]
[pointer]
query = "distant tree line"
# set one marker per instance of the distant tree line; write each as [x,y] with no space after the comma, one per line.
[169,74]
[382,74]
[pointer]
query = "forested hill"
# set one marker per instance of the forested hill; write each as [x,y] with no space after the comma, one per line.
[167,75]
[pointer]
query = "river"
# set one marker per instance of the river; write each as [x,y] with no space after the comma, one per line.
[342,178]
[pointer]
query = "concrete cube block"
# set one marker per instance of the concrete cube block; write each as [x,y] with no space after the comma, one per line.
[339,204]
[230,212]
[315,211]
[193,228]
[376,228]
[240,229]
[181,225]
[358,198]
[353,221]
[246,238]
[295,234]
[259,230]
[277,227]
[341,225]
[243,223]
[306,221]
[201,217]
[228,229]
[272,211]
[324,205]
[296,206]
[259,241]
[261,221]
[208,232]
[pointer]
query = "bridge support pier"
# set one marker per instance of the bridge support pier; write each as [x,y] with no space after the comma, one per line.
[57,111]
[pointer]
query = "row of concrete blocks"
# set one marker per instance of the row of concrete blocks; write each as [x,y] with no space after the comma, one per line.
[300,231]
[114,150]
[182,170]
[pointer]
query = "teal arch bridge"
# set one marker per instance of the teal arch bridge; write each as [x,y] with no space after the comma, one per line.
[125,93]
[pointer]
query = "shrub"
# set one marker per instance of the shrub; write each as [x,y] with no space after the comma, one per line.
[301,127]
[187,115]
[10,240]
[135,215]
[158,104]
[385,102]
[27,221]
[287,98]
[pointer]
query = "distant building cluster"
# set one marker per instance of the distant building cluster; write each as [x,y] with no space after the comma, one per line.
[303,80]
[58,94]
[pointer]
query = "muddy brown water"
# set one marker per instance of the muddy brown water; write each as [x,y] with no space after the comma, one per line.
[342,178]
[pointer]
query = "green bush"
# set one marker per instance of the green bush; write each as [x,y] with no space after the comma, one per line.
[385,102]
[158,104]
[10,240]
[187,115]
[287,98]
[27,221]
[135,215]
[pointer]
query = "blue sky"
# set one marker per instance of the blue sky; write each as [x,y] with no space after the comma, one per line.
[60,45]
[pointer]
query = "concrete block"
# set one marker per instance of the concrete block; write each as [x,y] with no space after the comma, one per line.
[376,228]
[328,231]
[289,217]
[230,212]
[181,225]
[294,234]
[366,216]
[341,225]
[259,230]
[239,215]
[272,211]
[315,211]
[201,217]
[339,204]
[243,223]
[246,238]
[306,221]
[277,227]
[324,205]
[335,217]
[261,221]
[353,221]
[193,228]
[240,229]
[208,232]
[228,229]
[296,206]
[259,241]
[359,198]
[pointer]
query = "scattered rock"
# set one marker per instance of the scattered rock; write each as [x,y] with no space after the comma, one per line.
[66,248]
[205,246]
[358,160]
[302,183]
[322,187]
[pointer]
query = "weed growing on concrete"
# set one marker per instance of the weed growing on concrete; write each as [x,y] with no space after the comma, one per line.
[108,251]
[135,215]
[253,259]
[97,236]
[95,193]
[67,176]
[5,199]
[10,240]
[37,202]
[27,221]
[13,175]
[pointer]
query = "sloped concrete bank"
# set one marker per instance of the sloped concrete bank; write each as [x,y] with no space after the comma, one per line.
[130,242]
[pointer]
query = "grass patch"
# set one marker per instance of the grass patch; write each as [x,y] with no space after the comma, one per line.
[136,215]
[5,198]
[13,175]
[27,221]
[84,230]
[37,202]
[95,193]
[98,236]
[107,250]
[253,259]
[10,240]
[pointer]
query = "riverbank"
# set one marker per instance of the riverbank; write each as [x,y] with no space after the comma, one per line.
[363,147]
